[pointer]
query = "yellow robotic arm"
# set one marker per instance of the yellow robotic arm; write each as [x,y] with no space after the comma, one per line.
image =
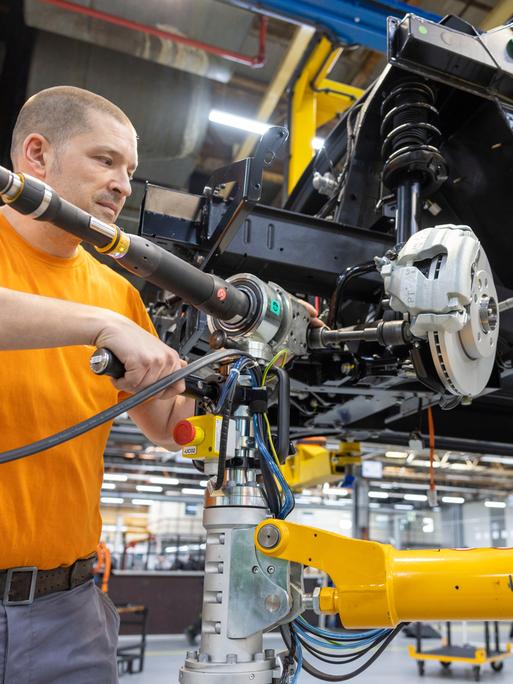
[378,586]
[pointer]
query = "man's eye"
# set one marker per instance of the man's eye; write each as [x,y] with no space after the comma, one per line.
[105,160]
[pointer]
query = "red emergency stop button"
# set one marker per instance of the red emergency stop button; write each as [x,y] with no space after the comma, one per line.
[184,432]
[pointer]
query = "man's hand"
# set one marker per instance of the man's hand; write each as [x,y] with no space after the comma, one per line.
[315,322]
[146,359]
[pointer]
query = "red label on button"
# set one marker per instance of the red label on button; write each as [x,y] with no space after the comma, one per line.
[221,294]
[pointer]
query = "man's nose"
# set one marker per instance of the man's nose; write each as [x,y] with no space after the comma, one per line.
[121,183]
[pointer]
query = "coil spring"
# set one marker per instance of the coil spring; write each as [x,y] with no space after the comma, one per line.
[411,135]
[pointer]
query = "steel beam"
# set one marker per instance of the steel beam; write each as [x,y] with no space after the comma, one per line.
[348,21]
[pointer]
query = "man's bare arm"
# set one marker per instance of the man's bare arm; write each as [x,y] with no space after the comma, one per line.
[30,321]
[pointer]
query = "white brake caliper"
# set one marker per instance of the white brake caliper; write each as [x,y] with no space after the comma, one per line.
[442,280]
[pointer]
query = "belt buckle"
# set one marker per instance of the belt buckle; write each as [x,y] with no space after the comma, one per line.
[32,591]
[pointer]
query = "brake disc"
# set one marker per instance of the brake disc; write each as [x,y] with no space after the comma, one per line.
[442,281]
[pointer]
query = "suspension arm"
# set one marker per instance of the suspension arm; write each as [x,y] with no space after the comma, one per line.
[375,585]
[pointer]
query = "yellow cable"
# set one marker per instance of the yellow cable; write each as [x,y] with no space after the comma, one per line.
[271,443]
[272,362]
[282,353]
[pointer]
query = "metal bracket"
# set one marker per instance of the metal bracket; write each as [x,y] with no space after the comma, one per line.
[246,176]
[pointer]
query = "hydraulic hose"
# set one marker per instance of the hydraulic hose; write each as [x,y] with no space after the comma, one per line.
[205,291]
[114,411]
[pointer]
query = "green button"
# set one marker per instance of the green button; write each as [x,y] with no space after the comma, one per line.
[423,30]
[275,306]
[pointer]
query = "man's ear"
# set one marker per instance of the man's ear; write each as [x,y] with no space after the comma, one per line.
[35,156]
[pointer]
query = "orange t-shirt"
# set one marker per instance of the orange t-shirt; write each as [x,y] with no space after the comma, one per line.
[50,502]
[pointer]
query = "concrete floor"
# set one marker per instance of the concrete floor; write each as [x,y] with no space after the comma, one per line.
[165,656]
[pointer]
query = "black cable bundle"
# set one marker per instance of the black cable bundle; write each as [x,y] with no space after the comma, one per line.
[381,642]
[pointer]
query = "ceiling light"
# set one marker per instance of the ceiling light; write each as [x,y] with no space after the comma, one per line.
[415,497]
[424,463]
[111,500]
[403,507]
[115,477]
[203,483]
[459,466]
[108,485]
[396,454]
[170,481]
[149,488]
[505,460]
[194,492]
[143,502]
[336,491]
[453,499]
[495,504]
[240,122]
[378,495]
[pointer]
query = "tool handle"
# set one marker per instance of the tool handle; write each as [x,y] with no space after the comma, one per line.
[104,362]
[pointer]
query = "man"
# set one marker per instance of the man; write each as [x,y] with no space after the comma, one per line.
[50,293]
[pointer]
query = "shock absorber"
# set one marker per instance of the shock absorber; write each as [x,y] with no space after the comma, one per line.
[413,163]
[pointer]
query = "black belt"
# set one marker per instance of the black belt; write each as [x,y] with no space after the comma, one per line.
[20,586]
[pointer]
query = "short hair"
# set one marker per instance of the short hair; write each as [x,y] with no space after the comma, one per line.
[59,113]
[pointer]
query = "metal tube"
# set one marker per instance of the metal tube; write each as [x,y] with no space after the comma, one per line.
[408,211]
[253,62]
[205,291]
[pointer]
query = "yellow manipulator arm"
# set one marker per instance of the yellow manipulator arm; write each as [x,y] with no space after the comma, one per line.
[375,585]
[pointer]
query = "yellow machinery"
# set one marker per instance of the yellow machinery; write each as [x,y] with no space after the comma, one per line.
[316,100]
[376,585]
[315,463]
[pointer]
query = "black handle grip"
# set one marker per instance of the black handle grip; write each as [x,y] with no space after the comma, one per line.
[104,362]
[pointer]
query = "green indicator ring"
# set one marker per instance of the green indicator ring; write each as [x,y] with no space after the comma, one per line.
[423,30]
[275,307]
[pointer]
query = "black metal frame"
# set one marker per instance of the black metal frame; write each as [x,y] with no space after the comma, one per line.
[306,254]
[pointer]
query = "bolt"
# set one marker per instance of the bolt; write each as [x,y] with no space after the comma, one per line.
[220,568]
[269,536]
[254,569]
[269,653]
[219,597]
[252,676]
[259,657]
[231,658]
[203,658]
[190,655]
[218,628]
[271,570]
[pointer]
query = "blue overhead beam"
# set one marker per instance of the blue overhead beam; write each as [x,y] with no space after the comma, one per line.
[350,21]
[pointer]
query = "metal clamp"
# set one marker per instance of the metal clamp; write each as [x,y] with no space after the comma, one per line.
[8,581]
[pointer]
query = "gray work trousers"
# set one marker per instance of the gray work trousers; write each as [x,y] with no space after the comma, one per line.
[69,637]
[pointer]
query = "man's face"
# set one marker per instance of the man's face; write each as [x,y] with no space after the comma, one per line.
[93,169]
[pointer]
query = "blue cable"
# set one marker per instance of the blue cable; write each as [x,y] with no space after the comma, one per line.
[238,366]
[288,503]
[299,657]
[340,636]
[331,646]
[232,377]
